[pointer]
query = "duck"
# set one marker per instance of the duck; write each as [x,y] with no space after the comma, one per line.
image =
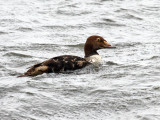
[64,63]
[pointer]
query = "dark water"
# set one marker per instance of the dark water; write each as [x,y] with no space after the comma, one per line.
[125,87]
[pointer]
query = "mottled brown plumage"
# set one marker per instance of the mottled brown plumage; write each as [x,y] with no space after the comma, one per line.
[69,62]
[57,65]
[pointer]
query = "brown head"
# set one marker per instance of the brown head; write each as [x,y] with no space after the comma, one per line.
[95,43]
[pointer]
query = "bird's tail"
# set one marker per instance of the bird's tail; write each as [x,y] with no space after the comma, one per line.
[35,70]
[22,75]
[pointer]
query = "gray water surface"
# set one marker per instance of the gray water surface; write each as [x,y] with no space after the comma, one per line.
[125,87]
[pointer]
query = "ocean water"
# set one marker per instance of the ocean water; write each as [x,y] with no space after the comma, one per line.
[125,87]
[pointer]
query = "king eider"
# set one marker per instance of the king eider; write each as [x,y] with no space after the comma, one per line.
[68,62]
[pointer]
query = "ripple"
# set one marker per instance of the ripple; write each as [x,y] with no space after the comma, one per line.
[130,16]
[104,24]
[108,20]
[25,29]
[111,63]
[2,33]
[128,44]
[101,90]
[54,27]
[154,57]
[10,20]
[17,55]
[76,46]
[58,27]
[105,0]
[156,88]
[71,13]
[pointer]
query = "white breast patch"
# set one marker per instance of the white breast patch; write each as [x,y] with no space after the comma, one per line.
[94,59]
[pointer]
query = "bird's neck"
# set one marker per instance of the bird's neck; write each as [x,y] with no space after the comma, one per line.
[89,50]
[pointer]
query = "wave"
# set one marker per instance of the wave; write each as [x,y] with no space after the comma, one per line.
[72,13]
[104,24]
[153,58]
[1,33]
[130,16]
[129,44]
[17,55]
[111,63]
[59,27]
[25,29]
[81,45]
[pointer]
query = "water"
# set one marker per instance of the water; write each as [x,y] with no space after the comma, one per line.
[125,87]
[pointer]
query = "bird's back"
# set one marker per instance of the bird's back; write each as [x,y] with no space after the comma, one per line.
[57,64]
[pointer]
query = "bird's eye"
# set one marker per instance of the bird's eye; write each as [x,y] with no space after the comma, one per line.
[98,39]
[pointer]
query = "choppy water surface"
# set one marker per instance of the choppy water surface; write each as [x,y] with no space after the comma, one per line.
[125,87]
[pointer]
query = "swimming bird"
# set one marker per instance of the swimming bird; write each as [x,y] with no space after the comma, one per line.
[69,62]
